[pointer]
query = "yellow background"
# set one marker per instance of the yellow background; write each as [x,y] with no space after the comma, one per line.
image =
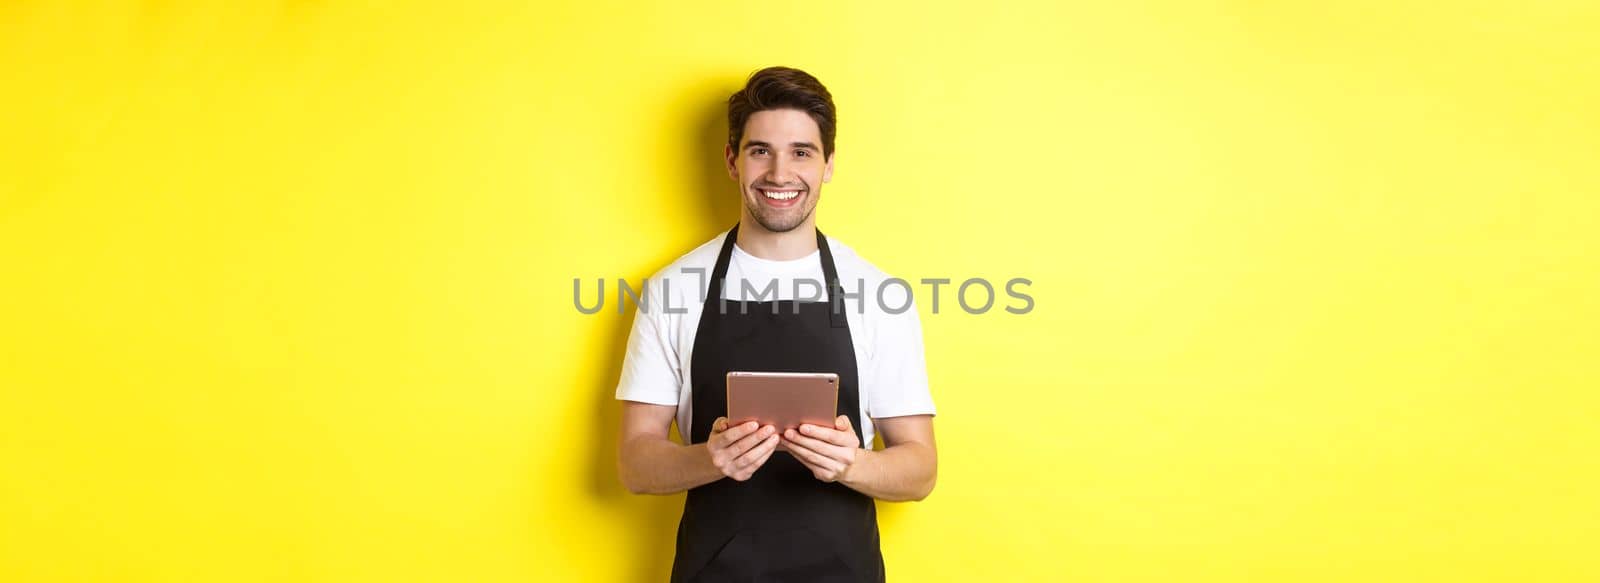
[287,286]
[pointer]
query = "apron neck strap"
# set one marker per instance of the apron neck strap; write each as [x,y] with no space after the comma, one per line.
[829,273]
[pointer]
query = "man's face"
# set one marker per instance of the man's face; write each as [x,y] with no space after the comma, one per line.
[780,168]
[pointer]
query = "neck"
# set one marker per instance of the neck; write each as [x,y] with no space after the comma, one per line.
[795,244]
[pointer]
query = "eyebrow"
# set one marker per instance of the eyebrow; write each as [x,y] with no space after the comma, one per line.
[761,144]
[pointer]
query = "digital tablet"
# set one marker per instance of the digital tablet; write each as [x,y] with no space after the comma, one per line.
[783,400]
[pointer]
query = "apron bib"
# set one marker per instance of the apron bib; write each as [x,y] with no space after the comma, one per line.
[782,524]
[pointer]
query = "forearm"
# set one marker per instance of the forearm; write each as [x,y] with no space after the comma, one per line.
[899,473]
[654,465]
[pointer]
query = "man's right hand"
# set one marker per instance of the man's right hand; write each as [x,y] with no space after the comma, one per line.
[740,450]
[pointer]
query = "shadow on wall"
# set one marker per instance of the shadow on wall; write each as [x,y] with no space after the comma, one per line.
[652,521]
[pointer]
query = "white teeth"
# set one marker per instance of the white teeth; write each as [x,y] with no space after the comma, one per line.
[781,194]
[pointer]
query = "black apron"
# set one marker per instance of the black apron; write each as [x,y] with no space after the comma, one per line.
[783,524]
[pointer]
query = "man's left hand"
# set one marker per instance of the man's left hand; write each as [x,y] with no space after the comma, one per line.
[827,451]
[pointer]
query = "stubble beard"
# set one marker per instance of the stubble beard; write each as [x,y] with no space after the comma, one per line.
[779,221]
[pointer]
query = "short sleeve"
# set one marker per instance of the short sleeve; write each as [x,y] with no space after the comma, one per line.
[650,372]
[896,376]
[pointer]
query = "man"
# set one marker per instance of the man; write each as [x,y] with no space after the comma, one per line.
[754,512]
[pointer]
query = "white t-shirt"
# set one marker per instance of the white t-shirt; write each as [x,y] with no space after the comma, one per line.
[890,367]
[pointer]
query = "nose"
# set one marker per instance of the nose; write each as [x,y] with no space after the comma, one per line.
[778,174]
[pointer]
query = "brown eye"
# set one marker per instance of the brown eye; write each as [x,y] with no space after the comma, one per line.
[802,153]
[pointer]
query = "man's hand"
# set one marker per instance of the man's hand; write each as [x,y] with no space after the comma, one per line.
[740,450]
[828,452]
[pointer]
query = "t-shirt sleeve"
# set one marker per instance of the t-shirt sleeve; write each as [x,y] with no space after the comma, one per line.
[896,378]
[650,372]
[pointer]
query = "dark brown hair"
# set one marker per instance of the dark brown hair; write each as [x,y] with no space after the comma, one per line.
[782,88]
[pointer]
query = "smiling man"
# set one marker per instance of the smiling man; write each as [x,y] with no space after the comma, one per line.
[755,512]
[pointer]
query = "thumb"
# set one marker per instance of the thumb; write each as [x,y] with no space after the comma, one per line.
[842,423]
[720,425]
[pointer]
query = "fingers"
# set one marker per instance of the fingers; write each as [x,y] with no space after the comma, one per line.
[745,466]
[775,440]
[751,440]
[733,434]
[815,445]
[816,461]
[758,454]
[826,451]
[844,437]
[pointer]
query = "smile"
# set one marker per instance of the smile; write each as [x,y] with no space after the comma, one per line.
[780,194]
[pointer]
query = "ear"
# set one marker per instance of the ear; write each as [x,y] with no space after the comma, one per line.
[827,171]
[729,156]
